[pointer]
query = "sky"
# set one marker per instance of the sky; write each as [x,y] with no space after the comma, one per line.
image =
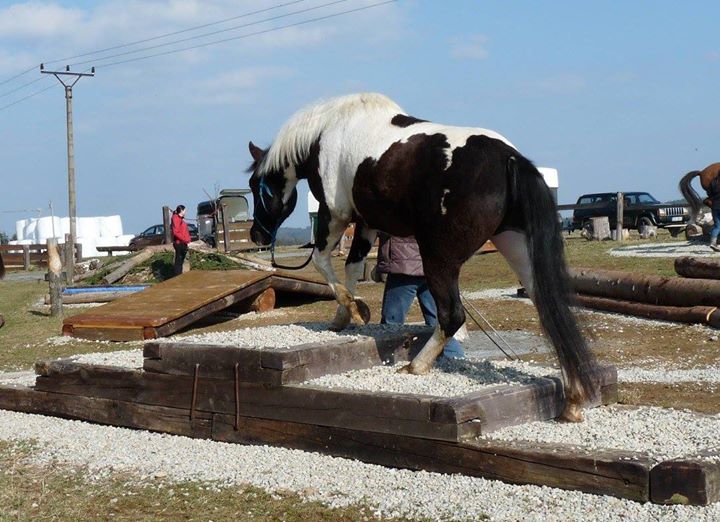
[618,96]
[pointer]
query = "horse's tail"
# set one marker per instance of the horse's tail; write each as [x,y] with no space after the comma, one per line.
[551,283]
[689,193]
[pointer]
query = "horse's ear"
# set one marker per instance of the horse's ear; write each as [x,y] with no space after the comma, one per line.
[256,152]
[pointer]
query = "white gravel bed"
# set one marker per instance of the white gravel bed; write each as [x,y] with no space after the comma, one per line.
[449,378]
[123,359]
[102,450]
[18,378]
[663,433]
[675,249]
[709,374]
[283,336]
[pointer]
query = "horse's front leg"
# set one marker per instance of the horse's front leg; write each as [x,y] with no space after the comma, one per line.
[443,283]
[354,266]
[330,230]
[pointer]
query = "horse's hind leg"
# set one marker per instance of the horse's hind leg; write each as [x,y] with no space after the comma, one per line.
[513,246]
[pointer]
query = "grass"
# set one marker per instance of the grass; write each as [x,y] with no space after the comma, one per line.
[34,493]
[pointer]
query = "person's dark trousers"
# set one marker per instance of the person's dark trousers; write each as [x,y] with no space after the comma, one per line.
[400,291]
[180,253]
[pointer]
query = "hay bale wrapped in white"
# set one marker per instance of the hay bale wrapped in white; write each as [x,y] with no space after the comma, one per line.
[30,231]
[110,226]
[20,229]
[48,227]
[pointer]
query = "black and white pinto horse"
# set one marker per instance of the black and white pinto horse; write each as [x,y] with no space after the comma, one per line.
[453,188]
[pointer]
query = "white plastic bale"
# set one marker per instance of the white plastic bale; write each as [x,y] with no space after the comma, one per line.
[124,240]
[30,231]
[48,227]
[110,226]
[65,224]
[88,247]
[20,229]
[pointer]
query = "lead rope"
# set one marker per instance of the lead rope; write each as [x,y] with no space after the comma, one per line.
[467,303]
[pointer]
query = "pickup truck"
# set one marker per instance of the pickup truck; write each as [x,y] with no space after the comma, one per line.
[640,208]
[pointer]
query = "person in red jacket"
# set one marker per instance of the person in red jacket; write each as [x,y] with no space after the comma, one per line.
[181,237]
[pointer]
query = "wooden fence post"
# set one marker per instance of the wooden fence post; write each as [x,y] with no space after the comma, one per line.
[620,212]
[167,217]
[226,231]
[55,277]
[69,257]
[26,257]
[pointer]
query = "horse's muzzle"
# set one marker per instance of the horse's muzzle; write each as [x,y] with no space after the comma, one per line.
[259,236]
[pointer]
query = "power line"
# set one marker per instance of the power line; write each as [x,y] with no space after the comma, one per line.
[158,37]
[215,42]
[205,35]
[21,87]
[189,29]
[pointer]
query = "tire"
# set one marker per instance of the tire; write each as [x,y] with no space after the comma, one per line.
[645,221]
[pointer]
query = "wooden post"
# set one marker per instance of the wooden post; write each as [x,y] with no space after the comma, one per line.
[26,257]
[55,277]
[167,220]
[619,224]
[69,257]
[226,231]
[78,252]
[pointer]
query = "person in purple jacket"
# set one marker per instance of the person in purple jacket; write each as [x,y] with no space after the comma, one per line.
[399,258]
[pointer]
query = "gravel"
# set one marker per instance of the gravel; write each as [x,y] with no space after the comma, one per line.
[450,378]
[662,433]
[150,457]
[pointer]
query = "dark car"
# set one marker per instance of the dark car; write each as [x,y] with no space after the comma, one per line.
[639,208]
[155,235]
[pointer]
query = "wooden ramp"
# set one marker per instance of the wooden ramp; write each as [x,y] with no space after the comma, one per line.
[169,306]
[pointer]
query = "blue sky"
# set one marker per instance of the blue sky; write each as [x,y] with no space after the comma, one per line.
[615,95]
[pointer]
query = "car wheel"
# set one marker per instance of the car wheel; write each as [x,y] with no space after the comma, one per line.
[645,222]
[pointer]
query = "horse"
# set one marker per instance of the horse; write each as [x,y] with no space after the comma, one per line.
[453,188]
[707,175]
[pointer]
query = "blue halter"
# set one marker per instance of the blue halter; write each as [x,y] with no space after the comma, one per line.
[264,189]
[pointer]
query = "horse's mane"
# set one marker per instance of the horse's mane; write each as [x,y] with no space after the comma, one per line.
[293,142]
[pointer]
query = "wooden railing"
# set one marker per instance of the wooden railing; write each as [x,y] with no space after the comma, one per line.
[25,256]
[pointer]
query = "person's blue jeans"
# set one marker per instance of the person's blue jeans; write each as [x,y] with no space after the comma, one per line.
[400,291]
[716,225]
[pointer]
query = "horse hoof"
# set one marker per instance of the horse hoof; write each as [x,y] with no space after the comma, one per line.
[571,413]
[414,370]
[361,312]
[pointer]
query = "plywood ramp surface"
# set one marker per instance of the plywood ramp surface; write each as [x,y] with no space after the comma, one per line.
[174,304]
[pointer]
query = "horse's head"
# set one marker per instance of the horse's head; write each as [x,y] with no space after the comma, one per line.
[274,196]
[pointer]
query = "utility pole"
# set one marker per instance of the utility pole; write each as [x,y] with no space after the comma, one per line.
[72,205]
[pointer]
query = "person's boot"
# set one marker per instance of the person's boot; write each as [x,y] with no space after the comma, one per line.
[714,245]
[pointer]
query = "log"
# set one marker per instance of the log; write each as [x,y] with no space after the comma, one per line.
[128,265]
[680,314]
[698,267]
[690,481]
[651,289]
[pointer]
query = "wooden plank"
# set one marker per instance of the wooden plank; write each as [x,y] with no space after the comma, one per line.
[371,411]
[509,405]
[104,333]
[691,481]
[211,308]
[604,473]
[106,411]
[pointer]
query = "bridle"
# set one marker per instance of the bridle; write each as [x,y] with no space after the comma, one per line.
[265,189]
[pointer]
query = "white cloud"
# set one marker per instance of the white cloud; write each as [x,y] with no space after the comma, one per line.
[235,86]
[38,20]
[562,84]
[471,47]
